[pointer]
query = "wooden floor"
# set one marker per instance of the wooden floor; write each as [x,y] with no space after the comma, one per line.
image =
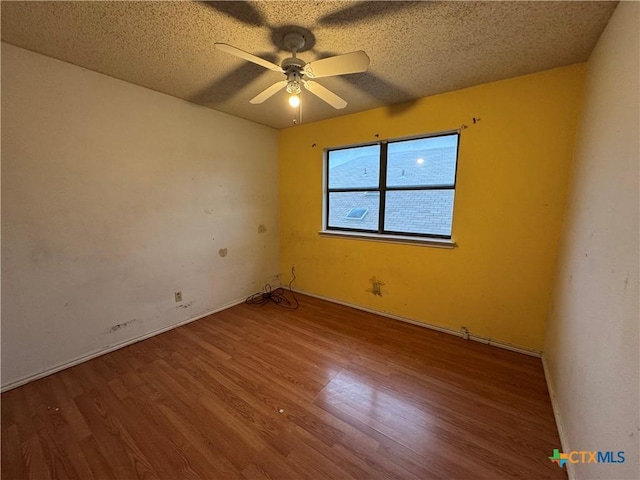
[322,392]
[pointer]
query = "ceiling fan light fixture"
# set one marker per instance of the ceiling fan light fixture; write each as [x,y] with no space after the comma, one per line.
[293,87]
[294,100]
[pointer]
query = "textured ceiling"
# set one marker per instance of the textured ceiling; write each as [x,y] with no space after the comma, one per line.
[417,49]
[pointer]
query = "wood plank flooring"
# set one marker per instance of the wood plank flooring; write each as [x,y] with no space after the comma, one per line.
[322,392]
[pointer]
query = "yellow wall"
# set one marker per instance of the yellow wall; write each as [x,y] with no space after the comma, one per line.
[513,170]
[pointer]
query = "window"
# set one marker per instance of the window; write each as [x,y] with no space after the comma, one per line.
[400,187]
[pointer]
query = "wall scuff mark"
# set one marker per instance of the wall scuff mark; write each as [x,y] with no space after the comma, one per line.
[223,252]
[262,229]
[121,325]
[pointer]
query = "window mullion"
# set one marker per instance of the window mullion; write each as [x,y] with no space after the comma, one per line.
[382,185]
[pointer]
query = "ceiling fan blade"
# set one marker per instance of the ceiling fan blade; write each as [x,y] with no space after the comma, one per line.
[354,62]
[248,56]
[268,92]
[324,94]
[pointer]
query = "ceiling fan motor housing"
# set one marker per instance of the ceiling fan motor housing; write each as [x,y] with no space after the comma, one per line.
[293,68]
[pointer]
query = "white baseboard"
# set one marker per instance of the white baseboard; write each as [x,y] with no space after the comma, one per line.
[564,444]
[487,341]
[111,348]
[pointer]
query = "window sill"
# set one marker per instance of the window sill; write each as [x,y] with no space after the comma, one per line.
[376,237]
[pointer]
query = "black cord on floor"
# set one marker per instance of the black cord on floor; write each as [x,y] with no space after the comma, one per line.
[279,296]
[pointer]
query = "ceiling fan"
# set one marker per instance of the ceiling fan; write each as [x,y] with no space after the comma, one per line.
[300,74]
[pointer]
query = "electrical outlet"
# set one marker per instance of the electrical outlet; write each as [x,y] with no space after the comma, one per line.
[178,296]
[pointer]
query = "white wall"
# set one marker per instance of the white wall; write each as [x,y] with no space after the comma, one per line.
[592,342]
[114,197]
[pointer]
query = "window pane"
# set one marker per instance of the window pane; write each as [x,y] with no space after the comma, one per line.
[357,210]
[419,211]
[422,162]
[357,167]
